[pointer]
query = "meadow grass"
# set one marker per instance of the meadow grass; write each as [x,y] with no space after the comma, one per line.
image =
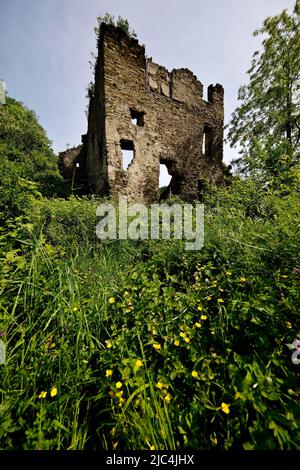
[143,345]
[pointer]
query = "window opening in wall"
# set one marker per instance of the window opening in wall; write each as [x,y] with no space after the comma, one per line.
[207,141]
[127,149]
[164,176]
[137,118]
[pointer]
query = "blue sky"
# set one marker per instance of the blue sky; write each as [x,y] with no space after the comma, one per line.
[45,49]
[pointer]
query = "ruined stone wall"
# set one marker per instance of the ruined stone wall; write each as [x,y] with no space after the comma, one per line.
[171,119]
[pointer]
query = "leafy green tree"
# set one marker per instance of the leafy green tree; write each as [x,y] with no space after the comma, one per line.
[27,161]
[266,126]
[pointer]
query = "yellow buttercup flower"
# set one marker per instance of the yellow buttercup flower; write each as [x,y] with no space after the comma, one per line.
[119,384]
[200,308]
[187,340]
[195,374]
[203,317]
[198,325]
[221,301]
[43,395]
[157,346]
[75,309]
[108,373]
[138,363]
[177,342]
[208,298]
[243,279]
[119,394]
[160,385]
[288,324]
[53,392]
[108,344]
[111,300]
[225,408]
[168,398]
[182,334]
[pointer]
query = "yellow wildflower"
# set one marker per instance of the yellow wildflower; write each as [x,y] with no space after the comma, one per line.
[200,308]
[220,289]
[288,324]
[111,300]
[182,334]
[237,395]
[243,279]
[138,363]
[187,340]
[284,276]
[43,395]
[119,394]
[119,384]
[108,373]
[213,332]
[168,398]
[108,344]
[203,317]
[198,325]
[126,292]
[195,374]
[157,346]
[177,342]
[75,309]
[225,408]
[221,301]
[208,298]
[152,447]
[229,273]
[160,385]
[53,392]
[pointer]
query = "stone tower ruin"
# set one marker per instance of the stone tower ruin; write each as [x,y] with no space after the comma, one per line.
[157,115]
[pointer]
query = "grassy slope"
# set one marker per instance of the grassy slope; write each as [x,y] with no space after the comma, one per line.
[209,328]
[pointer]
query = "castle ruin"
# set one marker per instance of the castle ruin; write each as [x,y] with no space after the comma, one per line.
[160,117]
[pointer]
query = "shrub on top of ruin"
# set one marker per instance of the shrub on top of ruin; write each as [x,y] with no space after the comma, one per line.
[121,23]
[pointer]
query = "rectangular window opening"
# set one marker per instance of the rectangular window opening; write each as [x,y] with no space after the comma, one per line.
[127,149]
[207,142]
[137,118]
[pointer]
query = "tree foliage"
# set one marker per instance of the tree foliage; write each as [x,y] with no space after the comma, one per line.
[27,161]
[266,125]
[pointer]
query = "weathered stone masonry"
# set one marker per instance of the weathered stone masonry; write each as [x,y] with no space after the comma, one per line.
[161,116]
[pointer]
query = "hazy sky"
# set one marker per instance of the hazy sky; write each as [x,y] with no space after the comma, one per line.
[45,49]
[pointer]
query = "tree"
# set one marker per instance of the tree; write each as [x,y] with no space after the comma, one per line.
[25,150]
[266,125]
